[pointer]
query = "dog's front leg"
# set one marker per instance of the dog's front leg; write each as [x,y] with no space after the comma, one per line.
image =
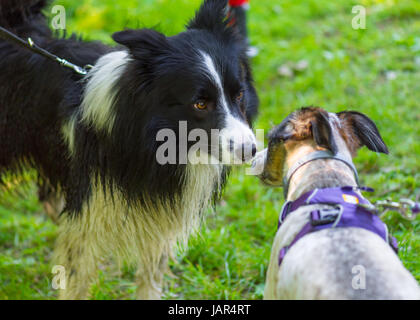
[77,251]
[150,282]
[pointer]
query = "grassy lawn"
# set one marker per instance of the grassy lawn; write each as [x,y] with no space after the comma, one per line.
[375,71]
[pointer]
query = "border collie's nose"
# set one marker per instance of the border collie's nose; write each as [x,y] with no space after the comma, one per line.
[254,150]
[245,151]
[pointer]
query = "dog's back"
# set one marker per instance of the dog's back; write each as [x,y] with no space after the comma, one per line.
[36,94]
[343,263]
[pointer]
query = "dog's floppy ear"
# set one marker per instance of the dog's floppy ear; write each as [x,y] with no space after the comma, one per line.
[212,16]
[322,132]
[142,42]
[360,131]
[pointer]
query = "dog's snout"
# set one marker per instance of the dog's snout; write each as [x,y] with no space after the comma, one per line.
[239,141]
[244,151]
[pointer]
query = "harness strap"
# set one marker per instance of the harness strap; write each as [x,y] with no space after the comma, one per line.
[317,155]
[345,208]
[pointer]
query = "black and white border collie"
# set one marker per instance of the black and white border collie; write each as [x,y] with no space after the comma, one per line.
[93,139]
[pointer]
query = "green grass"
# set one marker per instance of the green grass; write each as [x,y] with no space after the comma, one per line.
[347,69]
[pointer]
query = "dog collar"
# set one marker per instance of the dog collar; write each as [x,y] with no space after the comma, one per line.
[346,208]
[317,155]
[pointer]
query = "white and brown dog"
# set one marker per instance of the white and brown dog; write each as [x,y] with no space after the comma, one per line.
[329,245]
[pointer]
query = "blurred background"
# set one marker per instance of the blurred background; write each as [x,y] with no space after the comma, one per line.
[309,54]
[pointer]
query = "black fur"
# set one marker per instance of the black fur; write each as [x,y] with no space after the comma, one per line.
[280,133]
[37,97]
[366,131]
[15,14]
[323,133]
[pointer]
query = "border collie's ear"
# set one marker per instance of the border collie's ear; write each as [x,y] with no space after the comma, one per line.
[212,16]
[141,42]
[322,132]
[363,131]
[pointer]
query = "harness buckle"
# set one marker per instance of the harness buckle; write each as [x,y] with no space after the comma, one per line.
[326,215]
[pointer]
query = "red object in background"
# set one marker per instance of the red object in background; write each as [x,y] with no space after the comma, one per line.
[237,3]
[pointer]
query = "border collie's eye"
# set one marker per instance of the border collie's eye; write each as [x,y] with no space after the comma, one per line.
[200,105]
[240,96]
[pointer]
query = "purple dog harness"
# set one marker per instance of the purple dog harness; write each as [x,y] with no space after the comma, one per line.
[346,208]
